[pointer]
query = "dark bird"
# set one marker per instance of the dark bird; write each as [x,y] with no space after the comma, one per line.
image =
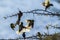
[24,36]
[31,23]
[46,4]
[12,26]
[20,14]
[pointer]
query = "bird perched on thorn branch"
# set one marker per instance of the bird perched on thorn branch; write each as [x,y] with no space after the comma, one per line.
[23,29]
[47,4]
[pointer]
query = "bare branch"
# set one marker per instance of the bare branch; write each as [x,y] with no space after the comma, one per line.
[36,12]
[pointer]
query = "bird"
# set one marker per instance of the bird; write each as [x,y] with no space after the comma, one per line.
[23,29]
[47,4]
[30,23]
[12,26]
[20,14]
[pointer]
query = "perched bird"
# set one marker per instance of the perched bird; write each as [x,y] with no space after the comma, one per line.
[12,26]
[39,35]
[23,29]
[30,23]
[47,4]
[24,36]
[20,14]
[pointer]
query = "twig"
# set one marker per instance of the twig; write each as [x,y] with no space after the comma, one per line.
[35,12]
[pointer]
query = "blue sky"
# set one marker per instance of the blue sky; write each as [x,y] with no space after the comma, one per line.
[9,7]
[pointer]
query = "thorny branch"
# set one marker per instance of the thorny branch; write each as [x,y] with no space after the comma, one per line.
[36,12]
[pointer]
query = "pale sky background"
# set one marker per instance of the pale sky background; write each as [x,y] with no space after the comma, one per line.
[9,7]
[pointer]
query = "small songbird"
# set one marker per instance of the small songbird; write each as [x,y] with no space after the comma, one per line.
[12,26]
[20,14]
[31,23]
[47,4]
[23,29]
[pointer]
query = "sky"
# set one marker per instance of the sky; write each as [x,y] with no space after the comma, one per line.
[10,7]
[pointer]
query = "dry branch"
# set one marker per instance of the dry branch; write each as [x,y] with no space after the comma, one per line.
[35,12]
